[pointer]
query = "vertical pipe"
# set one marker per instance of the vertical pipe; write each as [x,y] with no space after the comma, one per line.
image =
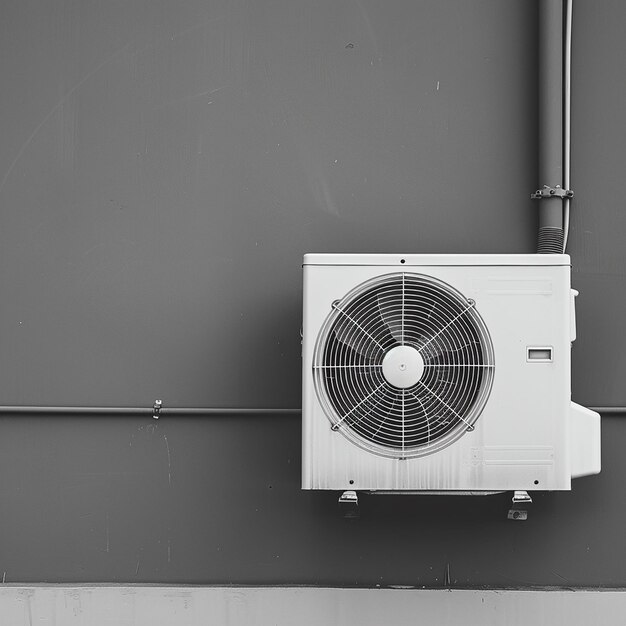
[550,166]
[567,116]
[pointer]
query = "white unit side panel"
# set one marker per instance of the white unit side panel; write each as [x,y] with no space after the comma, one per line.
[521,440]
[585,440]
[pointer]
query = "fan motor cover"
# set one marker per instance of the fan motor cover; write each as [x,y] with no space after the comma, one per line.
[403,365]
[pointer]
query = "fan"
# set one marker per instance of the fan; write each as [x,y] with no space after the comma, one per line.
[403,365]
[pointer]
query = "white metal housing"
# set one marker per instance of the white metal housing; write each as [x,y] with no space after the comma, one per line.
[529,436]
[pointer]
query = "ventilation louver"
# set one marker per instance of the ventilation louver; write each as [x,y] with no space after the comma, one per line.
[403,365]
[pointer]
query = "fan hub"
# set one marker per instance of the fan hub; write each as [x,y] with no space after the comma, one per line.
[403,366]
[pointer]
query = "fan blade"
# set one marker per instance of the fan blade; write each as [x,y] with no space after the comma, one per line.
[357,343]
[366,336]
[390,319]
[433,352]
[464,353]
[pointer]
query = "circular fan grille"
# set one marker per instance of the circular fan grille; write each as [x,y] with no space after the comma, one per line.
[403,365]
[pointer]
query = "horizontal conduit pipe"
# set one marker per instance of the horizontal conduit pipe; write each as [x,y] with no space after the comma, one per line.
[191,412]
[609,410]
[149,411]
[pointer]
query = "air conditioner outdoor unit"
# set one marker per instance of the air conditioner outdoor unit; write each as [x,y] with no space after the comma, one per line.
[441,373]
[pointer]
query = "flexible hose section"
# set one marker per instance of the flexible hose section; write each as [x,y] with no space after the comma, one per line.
[550,240]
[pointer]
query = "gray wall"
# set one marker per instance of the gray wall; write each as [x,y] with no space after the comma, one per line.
[164,166]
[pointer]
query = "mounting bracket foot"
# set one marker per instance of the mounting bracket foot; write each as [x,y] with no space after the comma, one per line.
[349,504]
[519,506]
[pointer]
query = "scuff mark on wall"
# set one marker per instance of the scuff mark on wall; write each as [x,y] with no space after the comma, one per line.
[169,460]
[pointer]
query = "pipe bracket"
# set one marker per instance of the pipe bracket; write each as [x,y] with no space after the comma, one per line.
[551,192]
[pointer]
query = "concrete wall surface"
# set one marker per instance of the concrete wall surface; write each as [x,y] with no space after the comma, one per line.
[163,168]
[197,606]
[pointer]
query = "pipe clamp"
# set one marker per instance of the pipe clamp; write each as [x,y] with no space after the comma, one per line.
[551,192]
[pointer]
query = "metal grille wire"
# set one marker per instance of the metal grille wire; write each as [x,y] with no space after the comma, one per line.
[403,309]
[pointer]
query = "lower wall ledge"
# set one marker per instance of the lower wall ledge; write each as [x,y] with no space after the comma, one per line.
[138,605]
